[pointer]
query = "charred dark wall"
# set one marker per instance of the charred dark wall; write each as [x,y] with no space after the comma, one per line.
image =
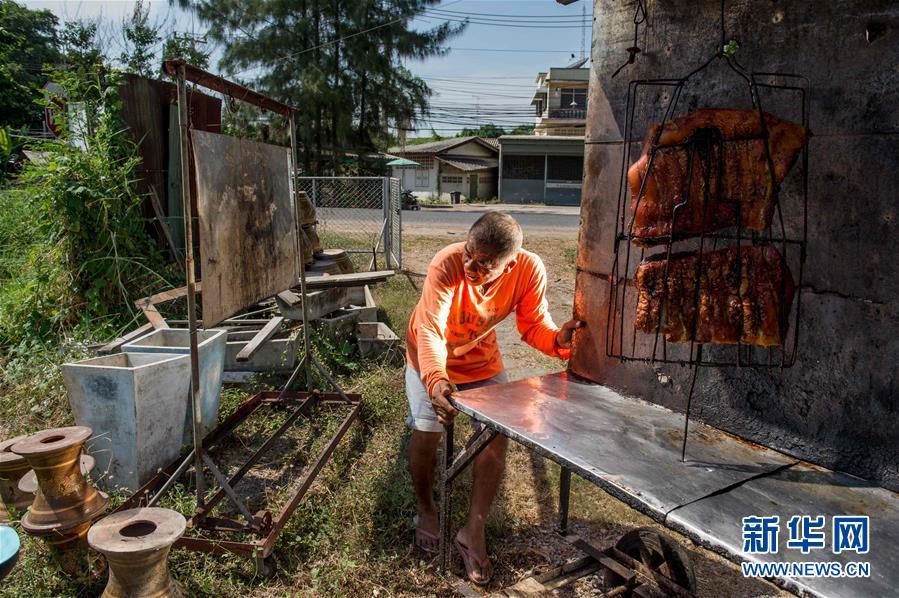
[839,405]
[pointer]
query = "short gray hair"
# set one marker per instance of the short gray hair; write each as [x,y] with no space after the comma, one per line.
[497,233]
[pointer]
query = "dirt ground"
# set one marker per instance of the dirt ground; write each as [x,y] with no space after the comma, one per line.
[522,539]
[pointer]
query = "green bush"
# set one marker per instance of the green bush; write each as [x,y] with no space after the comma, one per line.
[74,253]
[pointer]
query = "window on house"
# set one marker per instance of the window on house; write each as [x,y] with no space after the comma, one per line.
[423,171]
[451,180]
[576,96]
[523,167]
[565,168]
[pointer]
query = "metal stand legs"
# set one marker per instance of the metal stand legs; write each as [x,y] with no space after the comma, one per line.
[564,495]
[450,468]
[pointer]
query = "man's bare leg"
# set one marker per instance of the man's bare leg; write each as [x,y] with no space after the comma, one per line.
[422,465]
[488,473]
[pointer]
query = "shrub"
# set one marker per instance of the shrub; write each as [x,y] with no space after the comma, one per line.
[79,243]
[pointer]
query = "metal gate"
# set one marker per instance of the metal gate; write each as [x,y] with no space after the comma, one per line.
[359,214]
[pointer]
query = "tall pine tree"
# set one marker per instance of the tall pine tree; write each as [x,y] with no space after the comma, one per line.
[340,63]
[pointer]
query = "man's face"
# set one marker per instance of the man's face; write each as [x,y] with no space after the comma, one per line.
[483,267]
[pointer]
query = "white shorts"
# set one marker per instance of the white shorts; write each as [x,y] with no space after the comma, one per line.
[421,413]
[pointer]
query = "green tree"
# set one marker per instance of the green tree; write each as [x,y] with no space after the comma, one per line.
[28,42]
[186,47]
[141,39]
[488,130]
[523,130]
[339,63]
[81,49]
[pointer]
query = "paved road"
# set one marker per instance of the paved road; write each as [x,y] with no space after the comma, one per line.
[533,220]
[365,225]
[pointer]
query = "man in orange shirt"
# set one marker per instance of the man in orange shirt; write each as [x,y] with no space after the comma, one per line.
[470,288]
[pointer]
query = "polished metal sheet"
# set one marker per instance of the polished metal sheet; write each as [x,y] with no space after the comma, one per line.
[248,226]
[804,489]
[628,447]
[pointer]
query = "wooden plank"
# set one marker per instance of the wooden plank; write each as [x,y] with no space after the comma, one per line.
[609,563]
[289,297]
[163,225]
[127,338]
[154,317]
[347,280]
[248,243]
[266,333]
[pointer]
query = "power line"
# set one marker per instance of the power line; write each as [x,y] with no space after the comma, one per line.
[338,40]
[487,14]
[471,22]
[511,51]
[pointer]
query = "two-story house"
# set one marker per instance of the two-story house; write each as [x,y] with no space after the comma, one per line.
[548,166]
[560,101]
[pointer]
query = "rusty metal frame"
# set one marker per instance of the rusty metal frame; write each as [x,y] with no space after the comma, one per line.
[263,525]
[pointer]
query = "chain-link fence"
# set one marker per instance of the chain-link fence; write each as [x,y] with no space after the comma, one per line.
[359,214]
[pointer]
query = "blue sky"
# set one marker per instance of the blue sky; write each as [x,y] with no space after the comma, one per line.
[487,76]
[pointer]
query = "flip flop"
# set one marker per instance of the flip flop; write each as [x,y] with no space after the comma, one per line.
[426,541]
[473,565]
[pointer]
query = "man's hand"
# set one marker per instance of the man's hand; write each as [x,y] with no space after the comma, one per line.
[439,401]
[563,336]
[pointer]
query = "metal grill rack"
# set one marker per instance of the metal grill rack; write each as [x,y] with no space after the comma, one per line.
[706,146]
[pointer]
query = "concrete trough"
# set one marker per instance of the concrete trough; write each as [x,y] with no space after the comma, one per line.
[339,325]
[136,404]
[320,304]
[376,338]
[277,354]
[212,346]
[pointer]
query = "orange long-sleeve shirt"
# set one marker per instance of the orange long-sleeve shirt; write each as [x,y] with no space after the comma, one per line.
[450,334]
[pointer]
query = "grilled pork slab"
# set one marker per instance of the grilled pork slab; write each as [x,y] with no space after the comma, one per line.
[741,294]
[730,183]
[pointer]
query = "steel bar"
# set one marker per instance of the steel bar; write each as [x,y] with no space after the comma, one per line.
[445,505]
[180,71]
[683,452]
[254,458]
[172,479]
[564,496]
[294,157]
[288,509]
[220,477]
[330,379]
[475,445]
[293,376]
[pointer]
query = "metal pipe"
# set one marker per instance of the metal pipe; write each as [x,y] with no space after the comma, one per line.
[564,496]
[307,344]
[184,134]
